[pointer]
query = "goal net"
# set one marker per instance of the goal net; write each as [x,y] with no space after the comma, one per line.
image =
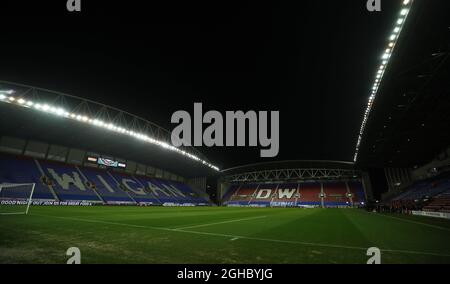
[16,198]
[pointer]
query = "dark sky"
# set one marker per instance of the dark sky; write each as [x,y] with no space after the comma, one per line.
[313,61]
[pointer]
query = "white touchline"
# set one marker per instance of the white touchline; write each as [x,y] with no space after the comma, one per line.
[218,223]
[414,222]
[242,237]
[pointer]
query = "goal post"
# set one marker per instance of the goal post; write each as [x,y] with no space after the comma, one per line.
[16,198]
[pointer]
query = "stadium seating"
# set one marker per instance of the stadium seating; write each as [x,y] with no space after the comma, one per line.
[422,189]
[440,203]
[191,195]
[137,187]
[68,182]
[309,193]
[295,194]
[63,182]
[230,192]
[106,186]
[286,195]
[264,194]
[243,195]
[357,192]
[432,194]
[335,194]
[23,170]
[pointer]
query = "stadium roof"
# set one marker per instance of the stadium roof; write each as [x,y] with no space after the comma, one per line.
[410,121]
[290,164]
[49,116]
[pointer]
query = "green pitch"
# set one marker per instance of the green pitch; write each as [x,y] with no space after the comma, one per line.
[219,235]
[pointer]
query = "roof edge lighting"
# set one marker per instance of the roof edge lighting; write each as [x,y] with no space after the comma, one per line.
[385,57]
[7,96]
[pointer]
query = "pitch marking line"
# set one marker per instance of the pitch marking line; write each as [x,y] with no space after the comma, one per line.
[244,237]
[414,222]
[218,223]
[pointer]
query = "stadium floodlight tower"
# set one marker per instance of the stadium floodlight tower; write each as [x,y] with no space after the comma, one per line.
[16,198]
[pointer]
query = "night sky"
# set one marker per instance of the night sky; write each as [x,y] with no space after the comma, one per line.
[313,61]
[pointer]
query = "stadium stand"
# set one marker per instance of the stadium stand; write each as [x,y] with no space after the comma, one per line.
[63,182]
[336,193]
[190,194]
[432,194]
[68,183]
[422,189]
[230,192]
[286,196]
[309,194]
[106,186]
[140,189]
[264,194]
[441,203]
[23,170]
[357,191]
[243,195]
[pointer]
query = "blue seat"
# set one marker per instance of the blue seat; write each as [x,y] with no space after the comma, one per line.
[23,170]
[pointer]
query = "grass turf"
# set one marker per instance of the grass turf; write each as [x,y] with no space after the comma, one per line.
[219,235]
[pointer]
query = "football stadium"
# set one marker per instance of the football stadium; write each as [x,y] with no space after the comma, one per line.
[95,177]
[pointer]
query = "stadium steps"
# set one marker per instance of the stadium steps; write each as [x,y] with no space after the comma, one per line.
[86,180]
[349,192]
[297,192]
[50,188]
[145,187]
[120,188]
[233,195]
[229,194]
[253,194]
[321,195]
[67,182]
[275,193]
